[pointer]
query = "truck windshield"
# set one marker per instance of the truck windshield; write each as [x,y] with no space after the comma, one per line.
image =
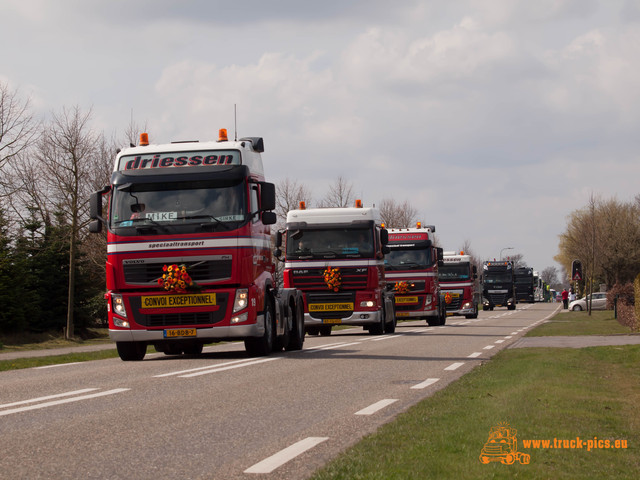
[498,278]
[415,259]
[182,207]
[457,271]
[524,280]
[330,243]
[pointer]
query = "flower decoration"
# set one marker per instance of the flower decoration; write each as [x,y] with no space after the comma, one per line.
[333,278]
[175,279]
[448,298]
[401,287]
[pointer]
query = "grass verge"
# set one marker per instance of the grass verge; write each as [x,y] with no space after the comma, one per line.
[20,363]
[600,322]
[543,393]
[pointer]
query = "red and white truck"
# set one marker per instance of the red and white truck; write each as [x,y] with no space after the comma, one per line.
[411,268]
[189,257]
[457,277]
[335,256]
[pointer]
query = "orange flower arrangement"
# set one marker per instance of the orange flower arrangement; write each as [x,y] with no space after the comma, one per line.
[333,278]
[448,298]
[176,279]
[401,287]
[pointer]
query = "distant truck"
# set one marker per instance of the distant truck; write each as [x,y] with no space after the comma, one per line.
[411,268]
[498,285]
[457,277]
[335,256]
[525,284]
[188,250]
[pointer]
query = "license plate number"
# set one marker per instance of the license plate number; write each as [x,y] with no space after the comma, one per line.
[333,321]
[180,332]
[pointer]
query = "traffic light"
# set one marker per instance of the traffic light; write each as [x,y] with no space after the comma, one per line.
[576,271]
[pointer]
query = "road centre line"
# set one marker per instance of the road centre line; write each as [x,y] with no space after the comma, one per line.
[474,355]
[426,383]
[499,341]
[58,365]
[387,337]
[230,367]
[371,409]
[66,400]
[208,367]
[269,464]
[455,366]
[488,347]
[48,397]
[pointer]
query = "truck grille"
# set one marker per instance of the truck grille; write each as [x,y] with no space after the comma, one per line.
[498,298]
[200,271]
[313,278]
[409,307]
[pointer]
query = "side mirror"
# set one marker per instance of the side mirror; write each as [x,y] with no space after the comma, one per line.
[95,226]
[95,205]
[386,250]
[269,218]
[278,239]
[267,196]
[440,254]
[384,236]
[277,253]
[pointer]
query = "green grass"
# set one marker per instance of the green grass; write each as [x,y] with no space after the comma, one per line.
[544,393]
[19,363]
[601,322]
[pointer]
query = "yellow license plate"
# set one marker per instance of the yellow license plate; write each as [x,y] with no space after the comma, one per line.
[406,299]
[172,301]
[180,332]
[402,314]
[330,307]
[334,321]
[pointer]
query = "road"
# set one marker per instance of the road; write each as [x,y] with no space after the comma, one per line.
[224,415]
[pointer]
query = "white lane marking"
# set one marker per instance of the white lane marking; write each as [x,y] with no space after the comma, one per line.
[311,349]
[331,347]
[454,366]
[488,347]
[514,333]
[475,354]
[208,367]
[58,365]
[230,367]
[268,465]
[49,397]
[371,409]
[508,337]
[499,341]
[387,337]
[426,383]
[66,400]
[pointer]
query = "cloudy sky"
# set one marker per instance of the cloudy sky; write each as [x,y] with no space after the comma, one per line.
[494,118]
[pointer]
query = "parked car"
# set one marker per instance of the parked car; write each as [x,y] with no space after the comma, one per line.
[599,302]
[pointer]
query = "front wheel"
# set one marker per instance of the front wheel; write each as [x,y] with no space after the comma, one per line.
[296,338]
[131,351]
[263,346]
[577,308]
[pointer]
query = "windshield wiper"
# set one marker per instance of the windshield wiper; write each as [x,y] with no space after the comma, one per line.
[218,222]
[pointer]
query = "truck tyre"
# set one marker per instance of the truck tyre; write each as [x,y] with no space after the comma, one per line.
[325,330]
[193,349]
[378,328]
[390,326]
[443,315]
[131,351]
[474,314]
[282,341]
[262,346]
[296,338]
[433,322]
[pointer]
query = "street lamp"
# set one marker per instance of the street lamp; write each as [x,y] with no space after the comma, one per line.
[505,248]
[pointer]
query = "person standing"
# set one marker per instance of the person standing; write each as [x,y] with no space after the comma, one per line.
[572,295]
[565,299]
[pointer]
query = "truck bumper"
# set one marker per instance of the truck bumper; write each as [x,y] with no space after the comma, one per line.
[356,318]
[211,333]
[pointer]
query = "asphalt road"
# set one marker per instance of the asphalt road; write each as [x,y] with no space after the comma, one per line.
[224,415]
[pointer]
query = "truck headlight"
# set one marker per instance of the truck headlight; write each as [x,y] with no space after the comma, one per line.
[242,299]
[368,303]
[118,305]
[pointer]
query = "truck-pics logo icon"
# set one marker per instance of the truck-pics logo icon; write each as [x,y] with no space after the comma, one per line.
[502,446]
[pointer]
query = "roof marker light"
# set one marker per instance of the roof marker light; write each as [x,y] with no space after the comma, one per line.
[419,225]
[358,203]
[222,135]
[144,139]
[303,206]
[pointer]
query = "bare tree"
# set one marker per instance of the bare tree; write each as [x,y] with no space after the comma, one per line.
[550,275]
[398,215]
[18,129]
[289,194]
[66,153]
[340,194]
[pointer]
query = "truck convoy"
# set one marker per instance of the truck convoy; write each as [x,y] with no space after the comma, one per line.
[411,267]
[498,288]
[188,250]
[525,284]
[457,276]
[335,256]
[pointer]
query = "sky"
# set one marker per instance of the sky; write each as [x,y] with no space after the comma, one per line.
[495,119]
